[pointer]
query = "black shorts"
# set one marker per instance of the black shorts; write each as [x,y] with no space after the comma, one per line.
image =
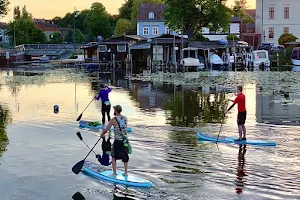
[119,152]
[241,118]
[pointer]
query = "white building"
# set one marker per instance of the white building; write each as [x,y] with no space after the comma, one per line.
[275,17]
[234,29]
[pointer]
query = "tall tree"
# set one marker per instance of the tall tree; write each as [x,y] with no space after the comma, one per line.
[239,10]
[26,32]
[17,12]
[98,21]
[4,7]
[79,37]
[136,6]
[123,25]
[25,13]
[194,15]
[125,10]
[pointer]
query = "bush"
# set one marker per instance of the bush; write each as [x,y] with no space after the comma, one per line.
[286,37]
[232,37]
[73,56]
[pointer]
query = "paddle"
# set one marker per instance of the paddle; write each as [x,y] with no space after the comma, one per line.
[80,137]
[77,167]
[79,117]
[78,196]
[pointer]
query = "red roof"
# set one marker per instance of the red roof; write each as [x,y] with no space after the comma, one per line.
[145,9]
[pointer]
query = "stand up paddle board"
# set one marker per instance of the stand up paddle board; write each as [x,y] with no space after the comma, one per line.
[205,137]
[86,124]
[92,169]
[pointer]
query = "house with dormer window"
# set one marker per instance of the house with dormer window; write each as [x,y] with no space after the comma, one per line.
[150,21]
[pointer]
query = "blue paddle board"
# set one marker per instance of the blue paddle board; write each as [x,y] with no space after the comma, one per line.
[85,124]
[205,137]
[92,169]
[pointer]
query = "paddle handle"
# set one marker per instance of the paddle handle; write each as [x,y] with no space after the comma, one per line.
[88,105]
[92,148]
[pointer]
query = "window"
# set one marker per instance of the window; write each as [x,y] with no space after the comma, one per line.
[145,31]
[167,31]
[121,48]
[102,48]
[155,31]
[151,15]
[286,30]
[271,32]
[286,12]
[271,12]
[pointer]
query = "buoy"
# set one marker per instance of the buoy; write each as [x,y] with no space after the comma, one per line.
[56,109]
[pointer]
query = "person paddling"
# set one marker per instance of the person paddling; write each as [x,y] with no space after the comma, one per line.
[242,112]
[106,106]
[119,150]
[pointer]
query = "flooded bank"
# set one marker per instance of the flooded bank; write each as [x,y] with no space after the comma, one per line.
[42,145]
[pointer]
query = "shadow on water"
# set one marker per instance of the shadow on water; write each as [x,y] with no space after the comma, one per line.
[5,119]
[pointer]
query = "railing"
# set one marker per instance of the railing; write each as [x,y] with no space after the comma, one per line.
[51,46]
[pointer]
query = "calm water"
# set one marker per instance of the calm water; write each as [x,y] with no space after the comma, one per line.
[43,147]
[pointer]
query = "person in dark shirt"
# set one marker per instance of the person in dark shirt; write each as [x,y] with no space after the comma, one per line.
[242,112]
[106,105]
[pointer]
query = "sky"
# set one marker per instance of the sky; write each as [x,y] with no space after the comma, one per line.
[50,8]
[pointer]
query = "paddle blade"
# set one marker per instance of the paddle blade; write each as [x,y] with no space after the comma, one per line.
[79,135]
[79,117]
[77,168]
[78,196]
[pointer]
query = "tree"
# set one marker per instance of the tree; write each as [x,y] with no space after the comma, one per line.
[56,38]
[232,37]
[239,10]
[123,25]
[136,6]
[98,21]
[125,10]
[25,13]
[79,37]
[194,15]
[199,37]
[26,32]
[286,37]
[17,13]
[4,7]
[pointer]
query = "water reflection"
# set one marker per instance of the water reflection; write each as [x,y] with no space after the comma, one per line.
[240,183]
[5,120]
[193,107]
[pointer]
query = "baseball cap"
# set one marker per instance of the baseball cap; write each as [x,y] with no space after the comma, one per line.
[118,108]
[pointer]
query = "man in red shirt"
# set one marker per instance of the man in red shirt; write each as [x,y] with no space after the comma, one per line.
[242,113]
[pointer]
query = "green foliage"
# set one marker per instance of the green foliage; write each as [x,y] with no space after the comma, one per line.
[199,37]
[17,13]
[26,32]
[232,37]
[135,8]
[286,37]
[4,7]
[199,109]
[126,9]
[239,10]
[196,14]
[123,25]
[73,56]
[5,119]
[56,38]
[79,37]
[98,21]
